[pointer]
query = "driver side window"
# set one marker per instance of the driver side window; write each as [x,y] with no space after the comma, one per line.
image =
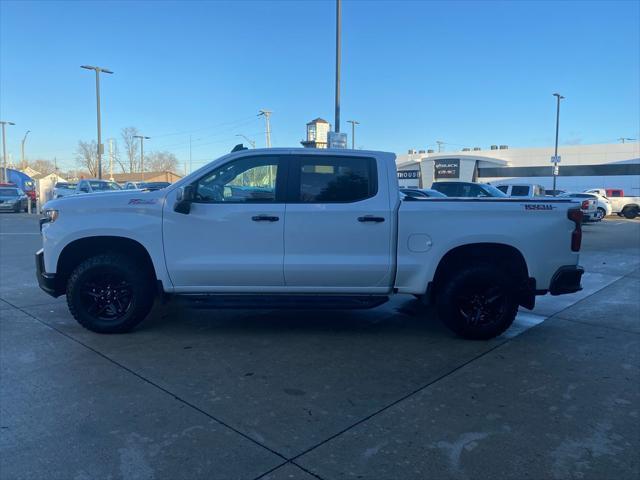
[247,180]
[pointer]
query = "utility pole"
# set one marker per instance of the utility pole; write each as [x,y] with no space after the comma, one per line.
[4,151]
[251,142]
[555,156]
[142,139]
[626,139]
[190,158]
[22,164]
[267,115]
[111,159]
[353,132]
[440,143]
[100,146]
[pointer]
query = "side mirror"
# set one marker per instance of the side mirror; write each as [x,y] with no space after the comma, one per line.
[184,199]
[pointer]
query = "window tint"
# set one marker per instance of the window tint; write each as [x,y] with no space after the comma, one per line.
[519,190]
[244,180]
[449,189]
[334,179]
[9,192]
[503,188]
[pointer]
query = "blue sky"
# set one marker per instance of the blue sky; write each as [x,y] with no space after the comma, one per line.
[468,73]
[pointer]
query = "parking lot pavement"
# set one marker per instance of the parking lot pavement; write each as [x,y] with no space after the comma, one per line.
[382,393]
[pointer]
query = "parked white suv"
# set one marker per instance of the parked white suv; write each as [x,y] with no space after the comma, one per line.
[306,228]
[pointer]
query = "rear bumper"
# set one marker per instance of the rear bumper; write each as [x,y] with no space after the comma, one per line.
[46,281]
[566,280]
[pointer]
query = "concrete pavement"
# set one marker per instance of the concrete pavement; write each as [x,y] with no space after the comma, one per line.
[384,393]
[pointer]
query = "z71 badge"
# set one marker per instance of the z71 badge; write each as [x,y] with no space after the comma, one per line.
[143,201]
[538,206]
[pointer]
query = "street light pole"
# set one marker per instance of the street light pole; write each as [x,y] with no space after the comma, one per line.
[353,132]
[4,151]
[555,163]
[338,34]
[142,139]
[251,142]
[22,164]
[100,146]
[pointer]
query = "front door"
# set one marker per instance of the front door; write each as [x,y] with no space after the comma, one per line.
[232,239]
[339,225]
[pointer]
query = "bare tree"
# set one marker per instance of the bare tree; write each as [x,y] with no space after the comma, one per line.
[161,162]
[43,166]
[130,148]
[86,156]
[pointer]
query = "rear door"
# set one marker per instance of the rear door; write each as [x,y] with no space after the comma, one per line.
[338,228]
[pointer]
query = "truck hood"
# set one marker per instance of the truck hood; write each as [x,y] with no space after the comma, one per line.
[107,200]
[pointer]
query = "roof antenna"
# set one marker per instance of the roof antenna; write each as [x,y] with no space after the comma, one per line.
[239,147]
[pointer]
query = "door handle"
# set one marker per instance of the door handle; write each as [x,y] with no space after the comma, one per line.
[265,218]
[371,218]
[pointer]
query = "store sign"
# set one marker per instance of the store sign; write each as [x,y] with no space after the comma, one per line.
[337,140]
[408,174]
[446,168]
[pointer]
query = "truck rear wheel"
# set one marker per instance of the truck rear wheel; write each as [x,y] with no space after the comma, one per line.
[477,302]
[630,212]
[108,293]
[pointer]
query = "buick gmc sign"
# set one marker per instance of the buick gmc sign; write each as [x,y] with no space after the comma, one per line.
[446,168]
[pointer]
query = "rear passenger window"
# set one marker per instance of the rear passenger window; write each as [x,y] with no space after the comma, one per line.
[519,191]
[503,188]
[334,179]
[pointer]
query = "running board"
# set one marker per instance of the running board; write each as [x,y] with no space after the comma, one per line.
[279,301]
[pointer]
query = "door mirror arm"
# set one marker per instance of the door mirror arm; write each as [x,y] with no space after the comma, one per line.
[184,199]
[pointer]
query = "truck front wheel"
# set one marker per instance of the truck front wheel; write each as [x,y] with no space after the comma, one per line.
[477,302]
[108,293]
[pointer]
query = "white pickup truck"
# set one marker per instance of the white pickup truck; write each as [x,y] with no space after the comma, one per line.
[306,229]
[629,207]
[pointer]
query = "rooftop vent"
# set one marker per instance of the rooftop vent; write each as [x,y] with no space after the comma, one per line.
[466,149]
[476,149]
[430,151]
[421,151]
[494,147]
[411,151]
[504,147]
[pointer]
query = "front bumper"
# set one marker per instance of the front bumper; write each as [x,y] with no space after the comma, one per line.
[566,280]
[46,281]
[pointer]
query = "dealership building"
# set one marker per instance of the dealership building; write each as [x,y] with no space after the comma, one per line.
[581,167]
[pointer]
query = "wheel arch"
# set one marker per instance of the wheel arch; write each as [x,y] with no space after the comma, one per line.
[507,257]
[81,249]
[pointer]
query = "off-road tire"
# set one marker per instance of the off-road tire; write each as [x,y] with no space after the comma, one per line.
[630,212]
[139,281]
[452,299]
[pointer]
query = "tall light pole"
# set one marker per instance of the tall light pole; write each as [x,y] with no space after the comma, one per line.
[555,155]
[100,146]
[353,132]
[22,164]
[142,139]
[267,115]
[440,143]
[626,139]
[4,151]
[338,34]
[251,142]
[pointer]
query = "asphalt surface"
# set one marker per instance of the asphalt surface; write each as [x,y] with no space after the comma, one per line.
[378,394]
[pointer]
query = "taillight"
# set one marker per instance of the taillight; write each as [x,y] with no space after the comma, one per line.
[585,205]
[575,216]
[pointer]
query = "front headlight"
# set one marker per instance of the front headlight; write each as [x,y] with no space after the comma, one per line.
[50,215]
